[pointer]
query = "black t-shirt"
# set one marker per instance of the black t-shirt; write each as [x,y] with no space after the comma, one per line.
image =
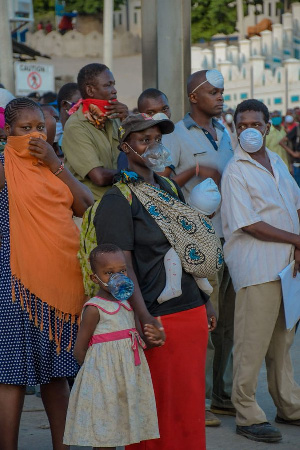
[133,229]
[294,137]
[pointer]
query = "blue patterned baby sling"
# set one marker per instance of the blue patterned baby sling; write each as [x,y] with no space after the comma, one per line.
[189,232]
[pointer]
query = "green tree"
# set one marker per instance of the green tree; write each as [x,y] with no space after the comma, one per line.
[42,6]
[210,17]
[89,6]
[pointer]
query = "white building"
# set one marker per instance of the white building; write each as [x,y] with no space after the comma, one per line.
[128,17]
[265,67]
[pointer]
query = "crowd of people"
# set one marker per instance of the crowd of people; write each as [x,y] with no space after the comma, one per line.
[181,231]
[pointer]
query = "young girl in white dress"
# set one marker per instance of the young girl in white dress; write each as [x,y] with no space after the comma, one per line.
[112,402]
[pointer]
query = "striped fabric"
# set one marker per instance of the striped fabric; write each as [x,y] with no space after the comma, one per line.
[251,194]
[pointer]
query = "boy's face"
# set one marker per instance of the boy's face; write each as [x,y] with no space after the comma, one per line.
[153,106]
[140,140]
[106,265]
[251,119]
[27,121]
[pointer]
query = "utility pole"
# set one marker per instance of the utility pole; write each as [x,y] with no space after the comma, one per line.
[108,33]
[166,50]
[6,51]
[240,18]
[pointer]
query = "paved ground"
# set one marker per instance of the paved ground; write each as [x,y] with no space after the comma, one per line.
[35,434]
[127,72]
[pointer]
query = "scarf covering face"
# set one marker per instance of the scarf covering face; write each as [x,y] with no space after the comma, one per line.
[44,239]
[93,110]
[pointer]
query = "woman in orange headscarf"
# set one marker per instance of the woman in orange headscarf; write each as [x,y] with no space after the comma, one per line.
[41,290]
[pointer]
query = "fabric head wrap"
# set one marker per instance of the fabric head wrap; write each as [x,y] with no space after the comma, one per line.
[213,77]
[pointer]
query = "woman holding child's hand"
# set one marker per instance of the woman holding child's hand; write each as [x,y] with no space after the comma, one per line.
[175,328]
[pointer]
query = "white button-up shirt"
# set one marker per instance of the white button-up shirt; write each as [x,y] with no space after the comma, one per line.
[252,194]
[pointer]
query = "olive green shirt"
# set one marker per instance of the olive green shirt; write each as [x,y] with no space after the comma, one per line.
[86,148]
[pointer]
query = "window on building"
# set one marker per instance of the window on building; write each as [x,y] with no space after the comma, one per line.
[230,75]
[243,95]
[295,98]
[135,18]
[234,96]
[263,79]
[277,101]
[244,72]
[270,9]
[269,102]
[120,19]
[227,98]
[279,77]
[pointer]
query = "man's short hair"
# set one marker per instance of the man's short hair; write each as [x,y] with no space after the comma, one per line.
[150,93]
[88,74]
[252,105]
[66,92]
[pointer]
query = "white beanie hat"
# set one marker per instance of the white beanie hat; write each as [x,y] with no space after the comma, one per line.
[205,197]
[5,97]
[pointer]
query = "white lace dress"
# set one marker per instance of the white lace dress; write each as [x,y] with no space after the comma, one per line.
[112,401]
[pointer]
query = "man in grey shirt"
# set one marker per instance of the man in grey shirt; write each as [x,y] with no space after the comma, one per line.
[201,148]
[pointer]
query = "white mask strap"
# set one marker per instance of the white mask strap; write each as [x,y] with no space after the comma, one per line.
[199,85]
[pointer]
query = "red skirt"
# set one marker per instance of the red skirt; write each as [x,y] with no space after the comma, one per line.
[178,375]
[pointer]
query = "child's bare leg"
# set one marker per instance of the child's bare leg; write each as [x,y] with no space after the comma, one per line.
[11,405]
[55,396]
[173,276]
[204,285]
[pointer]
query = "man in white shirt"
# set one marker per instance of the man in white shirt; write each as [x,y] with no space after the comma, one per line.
[260,216]
[201,148]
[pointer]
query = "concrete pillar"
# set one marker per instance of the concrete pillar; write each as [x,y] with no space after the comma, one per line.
[258,68]
[266,42]
[149,44]
[108,33]
[287,20]
[225,67]
[240,19]
[6,55]
[296,16]
[255,45]
[196,58]
[233,54]
[245,50]
[220,52]
[277,31]
[174,52]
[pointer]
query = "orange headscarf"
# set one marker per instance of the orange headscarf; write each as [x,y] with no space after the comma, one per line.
[44,238]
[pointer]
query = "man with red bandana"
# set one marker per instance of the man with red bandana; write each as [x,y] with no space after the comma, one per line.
[90,142]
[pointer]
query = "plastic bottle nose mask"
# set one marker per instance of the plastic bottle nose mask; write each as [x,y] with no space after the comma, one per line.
[251,140]
[156,156]
[119,285]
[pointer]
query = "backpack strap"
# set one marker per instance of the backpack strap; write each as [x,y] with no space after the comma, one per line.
[172,184]
[125,190]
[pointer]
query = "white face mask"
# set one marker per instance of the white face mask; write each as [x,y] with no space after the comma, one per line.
[229,118]
[160,116]
[59,131]
[289,119]
[251,140]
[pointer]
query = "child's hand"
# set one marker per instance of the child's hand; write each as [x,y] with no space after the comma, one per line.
[44,152]
[154,335]
[211,316]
